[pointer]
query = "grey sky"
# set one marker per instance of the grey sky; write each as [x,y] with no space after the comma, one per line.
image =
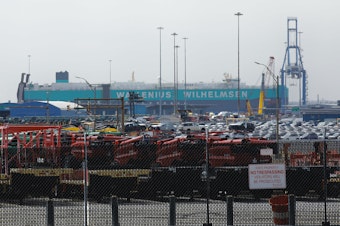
[81,36]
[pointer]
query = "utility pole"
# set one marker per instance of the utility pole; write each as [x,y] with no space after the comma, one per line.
[160,70]
[174,34]
[185,73]
[238,14]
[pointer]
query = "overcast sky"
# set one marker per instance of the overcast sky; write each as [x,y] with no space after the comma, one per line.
[82,36]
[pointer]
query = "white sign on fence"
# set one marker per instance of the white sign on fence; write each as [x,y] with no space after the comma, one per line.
[266,151]
[267,176]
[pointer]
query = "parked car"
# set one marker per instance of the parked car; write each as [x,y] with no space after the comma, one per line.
[309,136]
[334,136]
[242,126]
[191,126]
[291,136]
[133,126]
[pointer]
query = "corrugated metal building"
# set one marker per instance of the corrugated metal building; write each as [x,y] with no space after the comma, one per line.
[43,109]
[320,112]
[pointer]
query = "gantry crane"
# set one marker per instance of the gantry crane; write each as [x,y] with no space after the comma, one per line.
[292,65]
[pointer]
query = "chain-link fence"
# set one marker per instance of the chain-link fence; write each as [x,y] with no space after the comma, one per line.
[46,180]
[34,212]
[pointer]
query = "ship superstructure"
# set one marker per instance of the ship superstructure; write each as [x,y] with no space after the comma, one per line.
[199,97]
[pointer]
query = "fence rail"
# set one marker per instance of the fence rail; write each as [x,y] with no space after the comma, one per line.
[34,212]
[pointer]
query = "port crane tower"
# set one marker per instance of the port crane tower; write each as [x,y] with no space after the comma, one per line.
[292,66]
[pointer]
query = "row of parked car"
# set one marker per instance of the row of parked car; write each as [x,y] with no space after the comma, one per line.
[289,128]
[297,129]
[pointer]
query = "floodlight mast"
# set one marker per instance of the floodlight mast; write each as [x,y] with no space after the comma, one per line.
[93,88]
[276,80]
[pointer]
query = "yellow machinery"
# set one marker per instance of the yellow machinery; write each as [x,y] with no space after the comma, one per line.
[249,108]
[261,99]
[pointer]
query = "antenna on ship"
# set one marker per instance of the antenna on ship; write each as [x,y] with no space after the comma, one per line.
[227,78]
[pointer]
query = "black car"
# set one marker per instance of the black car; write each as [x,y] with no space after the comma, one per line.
[133,126]
[242,126]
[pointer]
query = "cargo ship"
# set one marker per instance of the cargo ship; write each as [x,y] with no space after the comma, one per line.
[153,98]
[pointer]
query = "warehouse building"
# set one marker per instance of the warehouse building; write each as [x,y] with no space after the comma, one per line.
[48,109]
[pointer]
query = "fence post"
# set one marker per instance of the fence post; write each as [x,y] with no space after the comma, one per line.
[291,209]
[326,222]
[114,208]
[172,217]
[230,210]
[50,213]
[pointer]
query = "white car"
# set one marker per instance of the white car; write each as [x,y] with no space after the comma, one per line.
[191,126]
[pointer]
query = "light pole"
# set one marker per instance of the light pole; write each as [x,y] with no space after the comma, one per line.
[238,14]
[207,174]
[174,34]
[160,70]
[47,107]
[110,71]
[185,72]
[300,32]
[85,166]
[85,175]
[93,88]
[176,89]
[276,80]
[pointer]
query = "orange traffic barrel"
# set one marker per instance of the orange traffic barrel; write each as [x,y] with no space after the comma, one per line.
[280,209]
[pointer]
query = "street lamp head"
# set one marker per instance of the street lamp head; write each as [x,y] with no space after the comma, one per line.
[238,14]
[275,78]
[90,85]
[260,64]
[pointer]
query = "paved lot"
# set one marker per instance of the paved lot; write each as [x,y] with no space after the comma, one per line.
[140,212]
